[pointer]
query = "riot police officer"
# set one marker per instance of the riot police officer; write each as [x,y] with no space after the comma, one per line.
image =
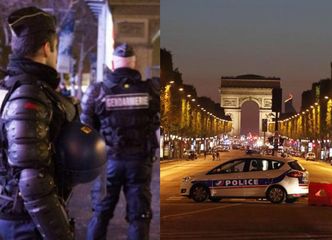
[32,193]
[124,109]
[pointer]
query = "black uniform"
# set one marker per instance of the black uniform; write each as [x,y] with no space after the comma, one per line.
[125,110]
[32,193]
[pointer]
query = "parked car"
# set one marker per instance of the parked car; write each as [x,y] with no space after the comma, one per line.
[221,148]
[274,178]
[191,154]
[310,156]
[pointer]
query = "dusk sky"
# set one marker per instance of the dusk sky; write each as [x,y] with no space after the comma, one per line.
[282,38]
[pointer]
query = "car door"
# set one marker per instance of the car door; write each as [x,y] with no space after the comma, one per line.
[260,174]
[226,178]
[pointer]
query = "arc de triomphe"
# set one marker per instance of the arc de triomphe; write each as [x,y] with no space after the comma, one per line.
[235,91]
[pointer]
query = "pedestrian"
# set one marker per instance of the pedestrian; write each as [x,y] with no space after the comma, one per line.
[217,154]
[125,109]
[33,113]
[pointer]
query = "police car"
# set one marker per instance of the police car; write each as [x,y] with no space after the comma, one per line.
[276,179]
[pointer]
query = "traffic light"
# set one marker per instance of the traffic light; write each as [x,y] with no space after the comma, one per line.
[264,125]
[276,99]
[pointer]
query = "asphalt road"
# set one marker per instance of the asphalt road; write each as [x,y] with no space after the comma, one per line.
[181,218]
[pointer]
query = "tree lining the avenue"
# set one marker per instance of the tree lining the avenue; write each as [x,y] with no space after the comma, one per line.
[183,113]
[313,124]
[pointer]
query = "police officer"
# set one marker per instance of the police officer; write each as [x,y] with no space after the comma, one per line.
[125,110]
[31,198]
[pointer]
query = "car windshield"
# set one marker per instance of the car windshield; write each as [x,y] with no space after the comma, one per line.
[296,166]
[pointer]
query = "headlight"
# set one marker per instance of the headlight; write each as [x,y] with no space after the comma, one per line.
[186,179]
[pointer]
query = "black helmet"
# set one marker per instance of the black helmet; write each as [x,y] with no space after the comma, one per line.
[80,153]
[124,50]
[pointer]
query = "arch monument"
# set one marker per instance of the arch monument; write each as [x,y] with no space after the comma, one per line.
[235,91]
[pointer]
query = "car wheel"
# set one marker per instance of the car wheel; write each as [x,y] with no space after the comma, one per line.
[199,193]
[276,194]
[291,199]
[215,199]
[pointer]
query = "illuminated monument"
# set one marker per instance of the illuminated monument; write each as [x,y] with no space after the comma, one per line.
[235,91]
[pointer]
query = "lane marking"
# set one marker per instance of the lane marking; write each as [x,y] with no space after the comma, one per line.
[199,211]
[174,198]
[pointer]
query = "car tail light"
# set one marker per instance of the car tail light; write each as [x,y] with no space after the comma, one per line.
[295,174]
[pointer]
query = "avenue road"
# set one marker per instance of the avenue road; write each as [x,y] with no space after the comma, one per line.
[182,218]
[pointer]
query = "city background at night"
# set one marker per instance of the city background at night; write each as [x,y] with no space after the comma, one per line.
[286,39]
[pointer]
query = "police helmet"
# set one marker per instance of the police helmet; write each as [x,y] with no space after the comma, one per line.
[80,153]
[124,50]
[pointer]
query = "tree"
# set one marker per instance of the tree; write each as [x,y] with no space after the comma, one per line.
[85,34]
[86,41]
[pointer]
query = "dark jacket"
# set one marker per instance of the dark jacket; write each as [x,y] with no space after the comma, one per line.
[123,108]
[33,116]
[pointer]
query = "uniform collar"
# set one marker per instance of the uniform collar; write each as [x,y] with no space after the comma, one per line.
[44,73]
[121,76]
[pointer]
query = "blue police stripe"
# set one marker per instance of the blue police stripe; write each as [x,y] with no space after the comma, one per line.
[269,181]
[261,181]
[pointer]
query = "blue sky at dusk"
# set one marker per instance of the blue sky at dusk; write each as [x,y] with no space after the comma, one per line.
[213,38]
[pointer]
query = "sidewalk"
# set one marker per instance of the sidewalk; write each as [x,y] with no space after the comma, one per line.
[200,157]
[79,208]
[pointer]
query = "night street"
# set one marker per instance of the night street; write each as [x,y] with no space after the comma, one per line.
[182,218]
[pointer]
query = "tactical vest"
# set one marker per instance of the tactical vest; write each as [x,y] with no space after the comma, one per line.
[11,204]
[126,119]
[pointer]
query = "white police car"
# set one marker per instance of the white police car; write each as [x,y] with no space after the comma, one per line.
[274,178]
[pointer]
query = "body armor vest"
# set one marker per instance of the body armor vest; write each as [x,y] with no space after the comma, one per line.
[11,204]
[125,118]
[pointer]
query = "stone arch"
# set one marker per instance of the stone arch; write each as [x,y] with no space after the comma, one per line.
[235,91]
[258,101]
[249,117]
